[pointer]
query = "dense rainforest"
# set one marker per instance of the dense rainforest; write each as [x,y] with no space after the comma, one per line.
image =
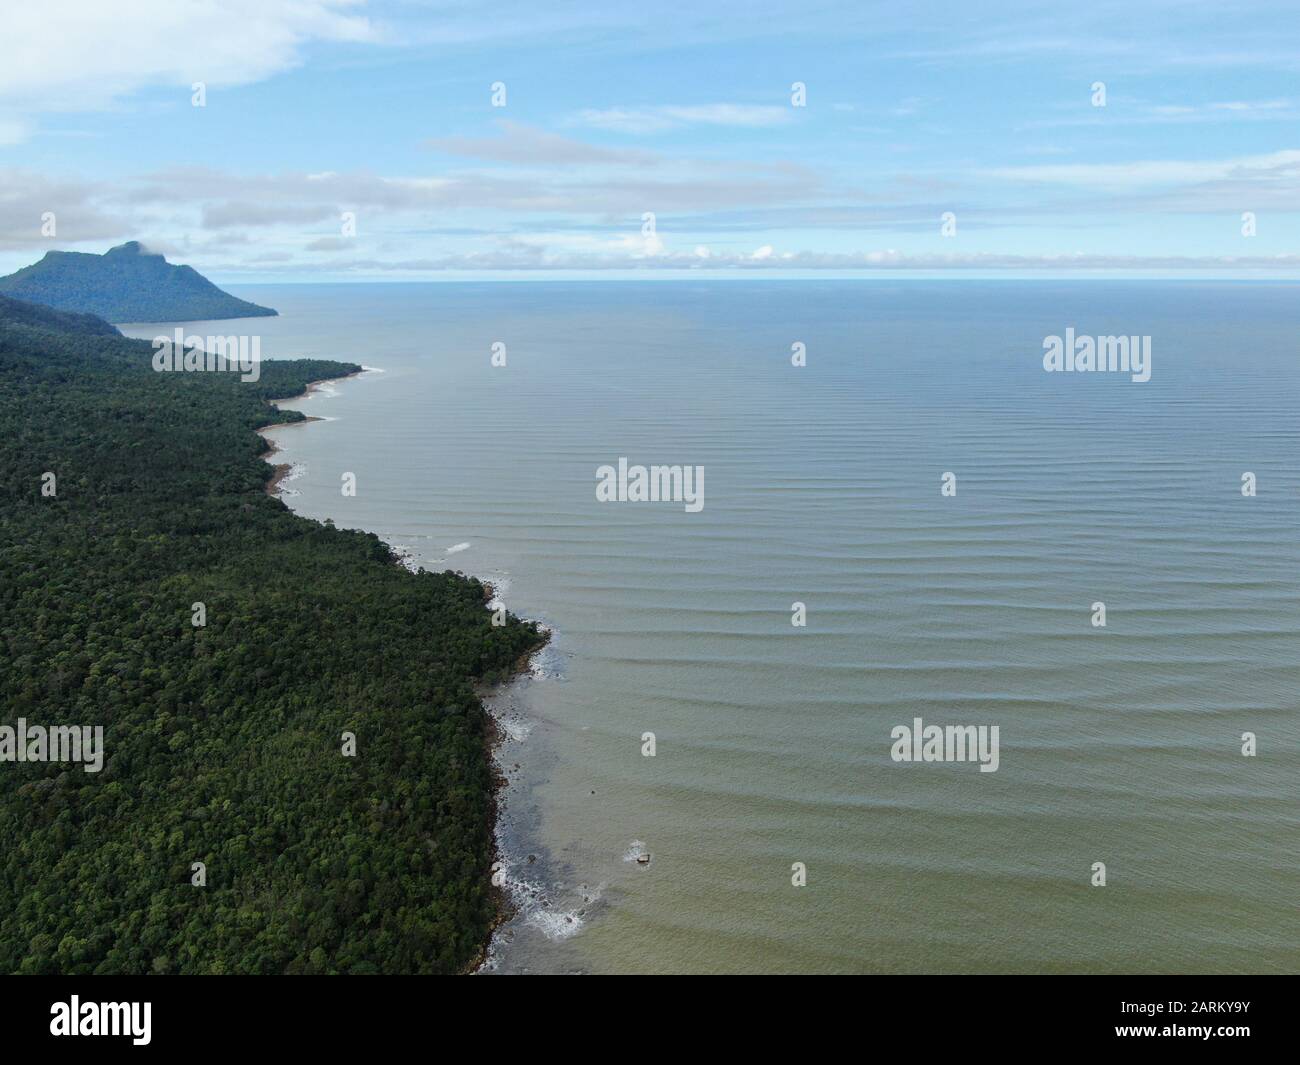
[125,284]
[223,743]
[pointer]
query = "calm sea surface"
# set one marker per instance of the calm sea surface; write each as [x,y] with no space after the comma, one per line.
[1120,745]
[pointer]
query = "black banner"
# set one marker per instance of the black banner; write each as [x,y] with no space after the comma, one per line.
[1222,1014]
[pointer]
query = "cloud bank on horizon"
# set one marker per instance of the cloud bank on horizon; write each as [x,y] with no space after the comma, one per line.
[343,139]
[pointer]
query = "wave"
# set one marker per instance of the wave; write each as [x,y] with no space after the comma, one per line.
[296,470]
[537,906]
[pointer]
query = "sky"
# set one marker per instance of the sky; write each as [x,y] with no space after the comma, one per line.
[372,140]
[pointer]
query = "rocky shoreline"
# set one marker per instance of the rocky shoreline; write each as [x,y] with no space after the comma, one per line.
[494,734]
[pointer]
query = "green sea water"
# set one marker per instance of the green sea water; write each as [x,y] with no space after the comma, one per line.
[1119,744]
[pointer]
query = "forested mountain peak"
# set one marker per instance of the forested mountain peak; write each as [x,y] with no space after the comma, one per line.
[128,283]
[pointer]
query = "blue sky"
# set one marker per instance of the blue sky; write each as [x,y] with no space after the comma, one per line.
[384,110]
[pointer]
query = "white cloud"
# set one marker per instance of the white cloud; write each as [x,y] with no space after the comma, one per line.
[1254,105]
[25,198]
[81,55]
[1155,173]
[13,132]
[671,116]
[1137,113]
[229,200]
[527,145]
[537,253]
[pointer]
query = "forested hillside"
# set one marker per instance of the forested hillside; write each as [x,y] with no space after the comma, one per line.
[223,742]
[125,284]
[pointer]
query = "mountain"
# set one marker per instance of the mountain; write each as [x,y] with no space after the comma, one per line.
[125,284]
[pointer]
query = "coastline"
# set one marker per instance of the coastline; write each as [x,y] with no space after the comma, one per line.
[315,386]
[532,901]
[495,736]
[283,469]
[494,740]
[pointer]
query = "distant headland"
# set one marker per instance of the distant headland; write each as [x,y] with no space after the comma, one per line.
[125,284]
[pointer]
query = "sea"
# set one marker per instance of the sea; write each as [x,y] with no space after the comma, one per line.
[904,521]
